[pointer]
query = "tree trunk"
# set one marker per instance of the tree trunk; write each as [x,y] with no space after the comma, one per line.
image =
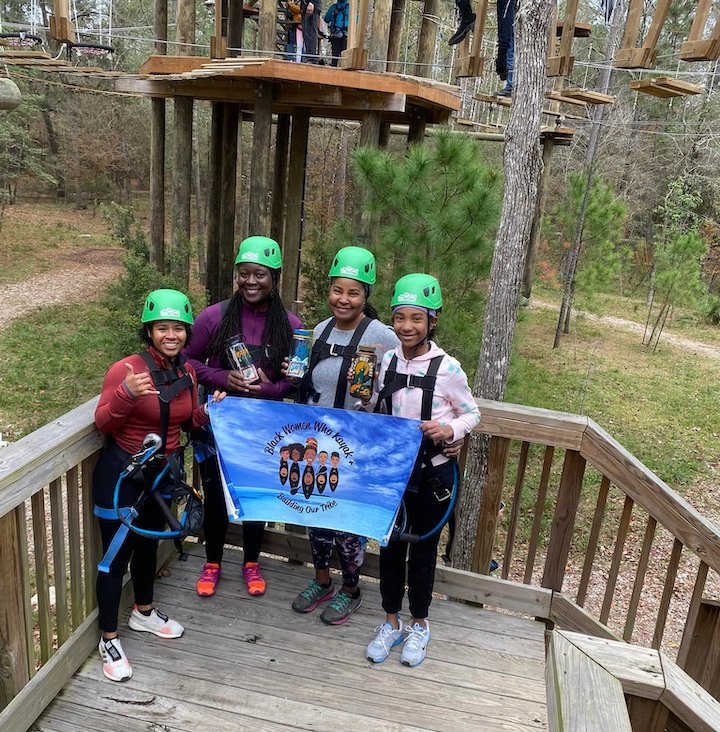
[523,167]
[590,160]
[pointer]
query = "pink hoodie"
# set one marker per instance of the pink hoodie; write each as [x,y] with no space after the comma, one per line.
[453,402]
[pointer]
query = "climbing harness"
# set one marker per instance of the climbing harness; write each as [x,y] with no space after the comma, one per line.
[320,351]
[163,478]
[162,474]
[428,449]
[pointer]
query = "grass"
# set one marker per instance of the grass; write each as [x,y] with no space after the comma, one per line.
[38,237]
[660,406]
[683,321]
[51,362]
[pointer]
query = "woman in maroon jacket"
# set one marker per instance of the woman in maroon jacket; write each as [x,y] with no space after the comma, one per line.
[130,408]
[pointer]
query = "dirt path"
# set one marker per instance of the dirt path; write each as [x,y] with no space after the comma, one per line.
[84,280]
[687,344]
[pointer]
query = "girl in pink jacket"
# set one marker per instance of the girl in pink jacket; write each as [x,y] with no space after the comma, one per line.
[418,380]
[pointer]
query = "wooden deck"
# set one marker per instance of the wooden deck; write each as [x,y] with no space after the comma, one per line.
[252,663]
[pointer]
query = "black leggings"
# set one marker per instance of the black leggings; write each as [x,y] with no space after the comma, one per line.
[137,551]
[424,512]
[215,519]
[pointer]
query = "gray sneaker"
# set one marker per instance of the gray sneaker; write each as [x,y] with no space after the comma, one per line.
[312,596]
[340,609]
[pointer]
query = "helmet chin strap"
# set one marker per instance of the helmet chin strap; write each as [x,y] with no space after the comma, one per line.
[424,339]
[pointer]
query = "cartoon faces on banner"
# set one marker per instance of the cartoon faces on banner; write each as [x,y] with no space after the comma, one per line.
[313,466]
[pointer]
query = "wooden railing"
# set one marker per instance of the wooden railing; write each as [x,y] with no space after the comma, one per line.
[576,501]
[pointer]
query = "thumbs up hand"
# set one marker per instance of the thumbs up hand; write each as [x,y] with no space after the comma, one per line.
[138,384]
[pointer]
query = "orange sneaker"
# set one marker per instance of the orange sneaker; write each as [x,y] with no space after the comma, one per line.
[254,579]
[208,579]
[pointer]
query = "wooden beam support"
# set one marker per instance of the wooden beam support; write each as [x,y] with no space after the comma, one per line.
[213,285]
[472,64]
[427,40]
[292,240]
[564,520]
[282,149]
[261,181]
[490,504]
[395,40]
[379,35]
[267,23]
[160,26]
[13,633]
[228,169]
[185,27]
[235,27]
[157,184]
[629,56]
[182,178]
[356,55]
[417,126]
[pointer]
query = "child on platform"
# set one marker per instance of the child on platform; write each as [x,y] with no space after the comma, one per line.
[437,393]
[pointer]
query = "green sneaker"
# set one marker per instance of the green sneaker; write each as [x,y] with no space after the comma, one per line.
[340,609]
[312,596]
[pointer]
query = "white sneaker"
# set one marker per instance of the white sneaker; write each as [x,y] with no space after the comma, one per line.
[415,648]
[156,623]
[115,663]
[386,638]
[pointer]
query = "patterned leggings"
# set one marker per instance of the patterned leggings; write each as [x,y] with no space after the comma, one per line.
[351,550]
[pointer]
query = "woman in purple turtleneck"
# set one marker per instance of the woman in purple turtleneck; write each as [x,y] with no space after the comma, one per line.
[257,315]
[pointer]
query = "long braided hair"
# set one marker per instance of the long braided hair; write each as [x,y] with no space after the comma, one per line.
[277,335]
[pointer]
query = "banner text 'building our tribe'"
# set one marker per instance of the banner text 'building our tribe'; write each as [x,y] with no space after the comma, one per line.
[314,466]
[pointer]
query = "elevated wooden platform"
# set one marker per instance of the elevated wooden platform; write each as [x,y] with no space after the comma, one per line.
[325,91]
[666,87]
[252,663]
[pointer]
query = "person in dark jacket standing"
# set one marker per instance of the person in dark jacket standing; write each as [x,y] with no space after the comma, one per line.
[310,12]
[337,19]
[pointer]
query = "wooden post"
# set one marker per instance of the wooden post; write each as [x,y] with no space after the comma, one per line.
[161,27]
[428,39]
[395,40]
[182,178]
[226,259]
[267,21]
[370,130]
[703,656]
[235,27]
[356,55]
[292,240]
[379,36]
[282,141]
[548,147]
[563,520]
[157,184]
[157,151]
[261,181]
[13,633]
[490,504]
[185,27]
[213,285]
[416,128]
[472,65]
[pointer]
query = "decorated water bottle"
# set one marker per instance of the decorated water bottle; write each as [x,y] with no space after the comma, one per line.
[300,359]
[362,368]
[241,359]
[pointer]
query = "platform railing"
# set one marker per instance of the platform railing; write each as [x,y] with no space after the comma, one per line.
[574,499]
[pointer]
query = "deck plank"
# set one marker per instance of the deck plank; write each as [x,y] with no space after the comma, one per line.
[252,663]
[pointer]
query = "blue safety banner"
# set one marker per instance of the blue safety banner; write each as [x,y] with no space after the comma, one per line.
[313,466]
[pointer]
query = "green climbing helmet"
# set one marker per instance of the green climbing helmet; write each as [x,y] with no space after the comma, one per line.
[418,290]
[167,305]
[260,250]
[355,263]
